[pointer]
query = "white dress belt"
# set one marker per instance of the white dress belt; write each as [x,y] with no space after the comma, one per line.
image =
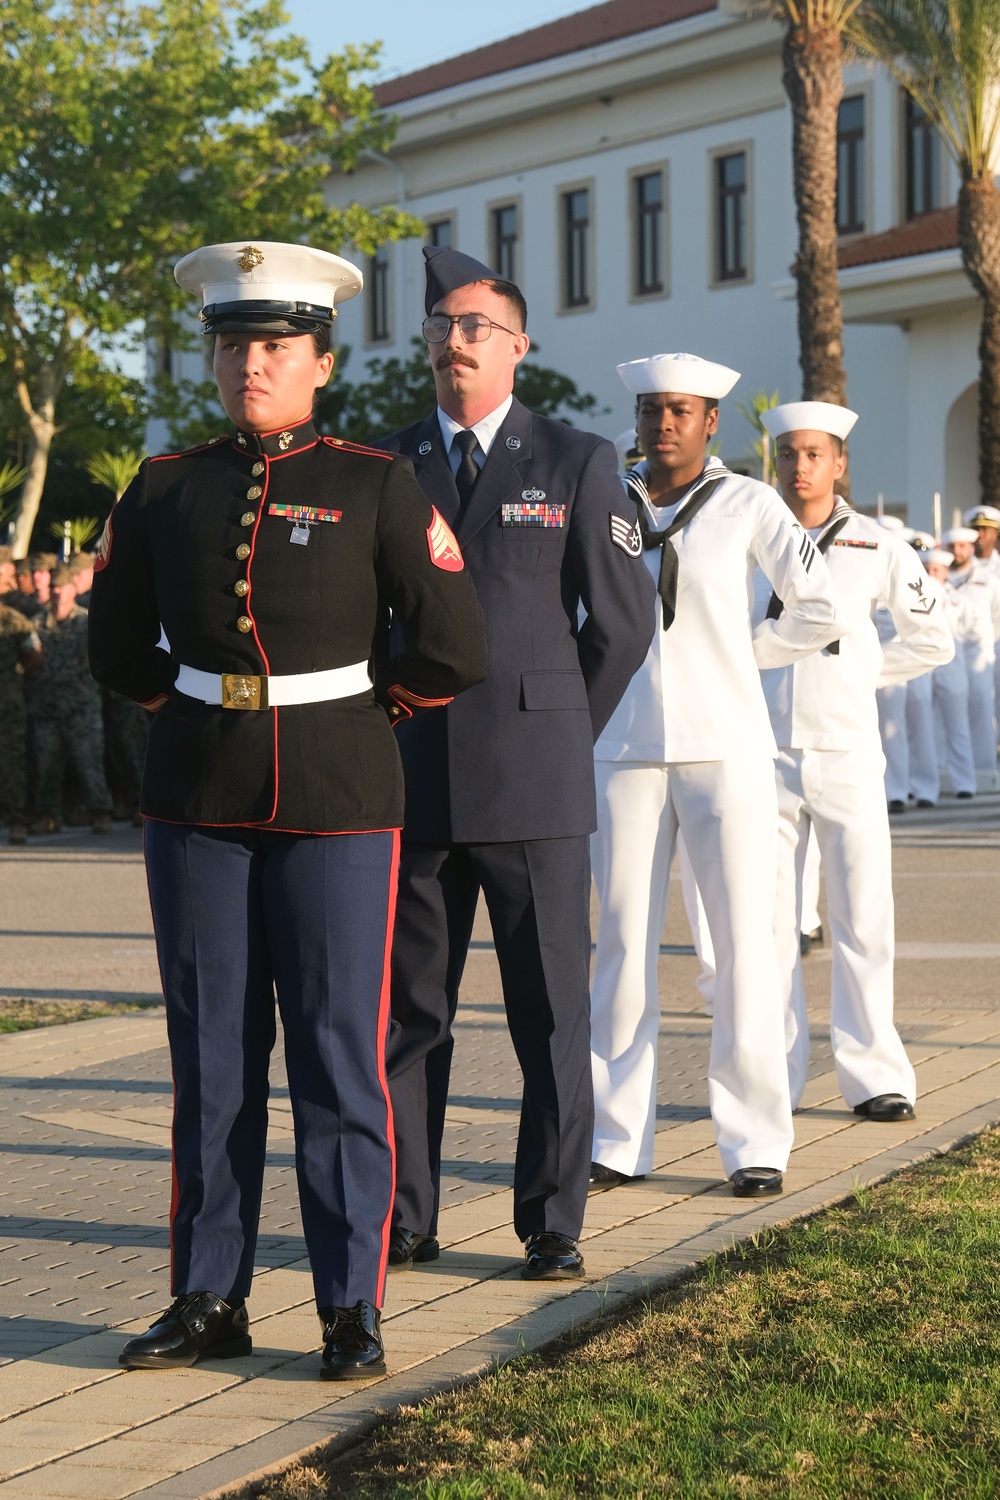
[234,690]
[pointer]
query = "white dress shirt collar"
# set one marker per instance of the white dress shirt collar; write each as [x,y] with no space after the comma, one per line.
[485,429]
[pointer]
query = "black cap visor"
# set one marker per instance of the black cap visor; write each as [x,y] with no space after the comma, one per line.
[265,317]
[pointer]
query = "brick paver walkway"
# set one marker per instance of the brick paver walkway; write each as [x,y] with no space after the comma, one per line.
[84,1137]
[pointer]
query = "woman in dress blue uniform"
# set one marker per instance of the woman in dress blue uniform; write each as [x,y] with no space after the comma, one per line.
[237,591]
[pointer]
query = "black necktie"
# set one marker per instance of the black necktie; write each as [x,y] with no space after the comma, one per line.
[666,584]
[468,469]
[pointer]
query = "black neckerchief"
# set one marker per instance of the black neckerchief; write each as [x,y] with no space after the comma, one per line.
[703,489]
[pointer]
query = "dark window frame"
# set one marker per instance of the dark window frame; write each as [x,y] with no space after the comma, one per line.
[649,218]
[732,218]
[851,169]
[445,222]
[379,290]
[922,164]
[575,247]
[505,242]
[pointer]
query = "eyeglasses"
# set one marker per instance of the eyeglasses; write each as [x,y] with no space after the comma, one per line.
[474,327]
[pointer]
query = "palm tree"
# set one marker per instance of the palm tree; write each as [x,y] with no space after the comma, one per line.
[115,471]
[812,56]
[946,53]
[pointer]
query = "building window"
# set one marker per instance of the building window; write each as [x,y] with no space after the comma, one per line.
[576,248]
[441,233]
[505,241]
[648,217]
[378,295]
[731,216]
[851,166]
[923,162]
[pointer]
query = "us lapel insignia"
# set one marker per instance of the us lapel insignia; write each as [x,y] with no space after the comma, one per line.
[513,443]
[425,448]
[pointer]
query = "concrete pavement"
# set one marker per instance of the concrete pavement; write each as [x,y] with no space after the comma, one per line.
[84,1137]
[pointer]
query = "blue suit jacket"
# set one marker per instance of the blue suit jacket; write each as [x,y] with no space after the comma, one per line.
[512,758]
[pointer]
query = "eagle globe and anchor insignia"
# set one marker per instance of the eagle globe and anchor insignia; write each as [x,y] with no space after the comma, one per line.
[243,691]
[249,258]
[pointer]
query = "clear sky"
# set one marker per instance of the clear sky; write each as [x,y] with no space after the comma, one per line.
[416,34]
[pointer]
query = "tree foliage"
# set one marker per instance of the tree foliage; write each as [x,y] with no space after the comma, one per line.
[130,134]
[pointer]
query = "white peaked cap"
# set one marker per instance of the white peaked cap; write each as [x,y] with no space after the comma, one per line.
[685,374]
[936,555]
[960,534]
[808,416]
[906,533]
[274,276]
[981,515]
[923,541]
[891,523]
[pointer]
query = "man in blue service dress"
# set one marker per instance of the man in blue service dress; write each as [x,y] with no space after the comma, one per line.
[237,594]
[500,784]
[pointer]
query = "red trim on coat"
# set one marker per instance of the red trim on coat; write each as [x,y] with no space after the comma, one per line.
[292,452]
[357,447]
[383,1034]
[159,458]
[319,833]
[285,427]
[247,598]
[403,695]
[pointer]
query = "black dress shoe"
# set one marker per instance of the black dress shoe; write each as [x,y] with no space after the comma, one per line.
[754,1182]
[897,806]
[925,802]
[816,936]
[551,1257]
[965,795]
[198,1326]
[606,1177]
[407,1248]
[886,1107]
[352,1342]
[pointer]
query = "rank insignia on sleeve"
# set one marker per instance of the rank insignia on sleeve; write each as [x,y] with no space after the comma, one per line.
[626,535]
[444,549]
[530,511]
[102,552]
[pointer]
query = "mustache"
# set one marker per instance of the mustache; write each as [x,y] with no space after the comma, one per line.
[454,357]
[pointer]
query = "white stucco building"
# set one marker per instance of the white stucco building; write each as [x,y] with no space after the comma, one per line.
[630,167]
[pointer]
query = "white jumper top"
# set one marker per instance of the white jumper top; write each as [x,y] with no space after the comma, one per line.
[698,695]
[827,701]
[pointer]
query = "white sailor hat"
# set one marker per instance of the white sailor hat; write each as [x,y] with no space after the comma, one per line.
[685,374]
[267,287]
[808,416]
[936,555]
[982,515]
[891,523]
[959,534]
[923,541]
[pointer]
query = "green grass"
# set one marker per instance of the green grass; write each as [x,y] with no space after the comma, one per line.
[854,1355]
[26,1015]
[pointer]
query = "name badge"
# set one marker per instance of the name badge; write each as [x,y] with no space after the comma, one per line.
[531,513]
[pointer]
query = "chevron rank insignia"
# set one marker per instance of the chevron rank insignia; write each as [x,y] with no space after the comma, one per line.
[444,549]
[626,535]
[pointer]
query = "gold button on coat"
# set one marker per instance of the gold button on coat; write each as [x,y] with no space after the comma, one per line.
[244,623]
[241,587]
[243,551]
[257,470]
[254,492]
[248,518]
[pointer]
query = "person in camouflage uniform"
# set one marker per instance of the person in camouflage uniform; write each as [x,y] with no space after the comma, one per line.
[66,712]
[20,653]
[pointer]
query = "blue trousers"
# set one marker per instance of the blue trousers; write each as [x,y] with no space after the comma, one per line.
[240,914]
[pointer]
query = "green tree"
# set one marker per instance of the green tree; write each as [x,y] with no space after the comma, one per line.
[946,53]
[130,133]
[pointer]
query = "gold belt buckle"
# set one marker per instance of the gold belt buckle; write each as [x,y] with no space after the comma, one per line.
[243,692]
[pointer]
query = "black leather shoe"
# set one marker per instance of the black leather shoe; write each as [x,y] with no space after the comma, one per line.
[897,806]
[198,1326]
[352,1342]
[964,796]
[925,802]
[816,936]
[886,1107]
[407,1248]
[551,1257]
[754,1182]
[606,1177]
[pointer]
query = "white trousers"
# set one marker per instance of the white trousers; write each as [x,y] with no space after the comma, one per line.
[809,917]
[727,813]
[950,689]
[694,910]
[925,777]
[840,793]
[892,727]
[982,715]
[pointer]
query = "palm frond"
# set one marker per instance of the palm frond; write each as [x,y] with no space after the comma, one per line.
[11,475]
[813,15]
[115,471]
[752,411]
[77,531]
[946,54]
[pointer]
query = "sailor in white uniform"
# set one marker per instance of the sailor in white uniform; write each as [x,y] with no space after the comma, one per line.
[690,747]
[950,684]
[830,763]
[984,520]
[977,643]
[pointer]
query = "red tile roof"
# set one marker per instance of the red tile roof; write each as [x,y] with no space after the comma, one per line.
[920,236]
[585,28]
